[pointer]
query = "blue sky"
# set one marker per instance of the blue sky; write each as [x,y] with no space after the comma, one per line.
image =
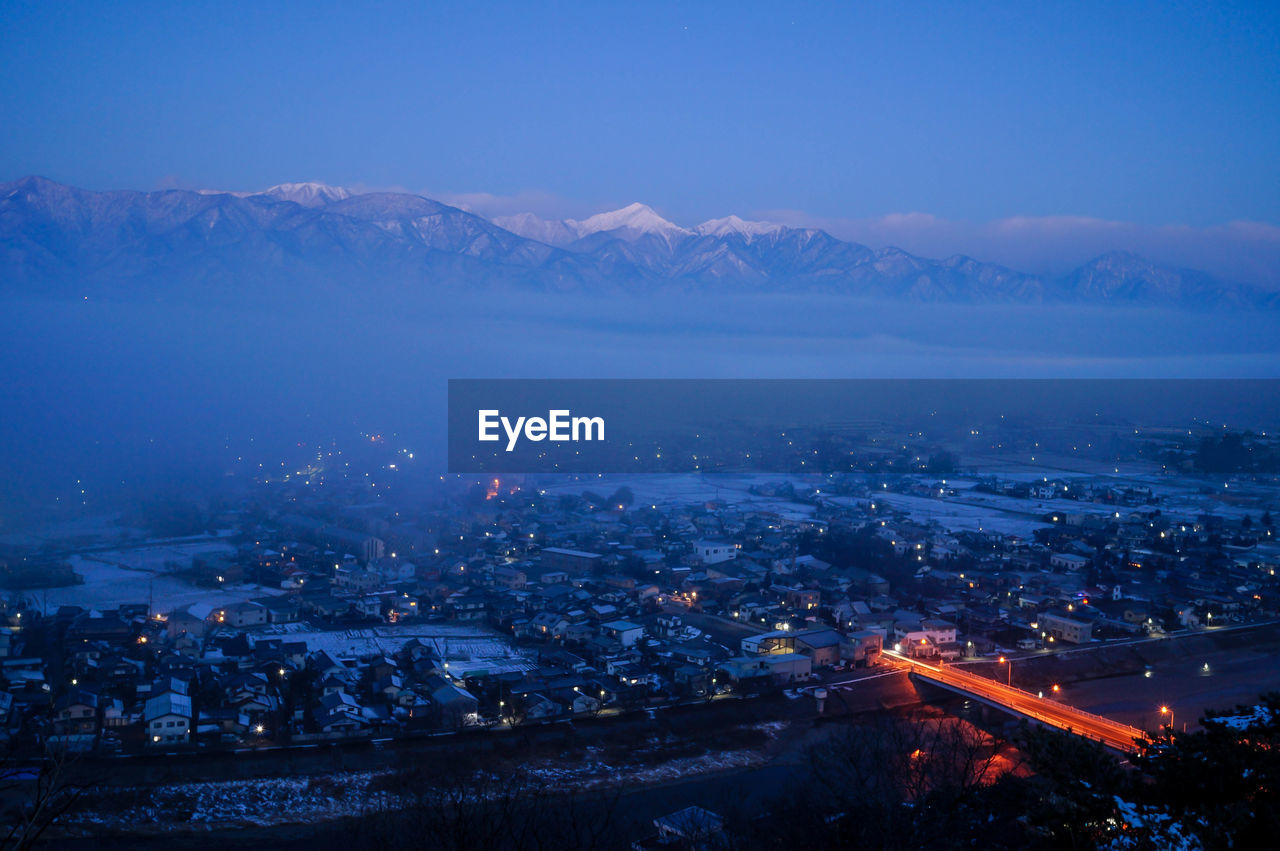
[1034,134]
[1153,114]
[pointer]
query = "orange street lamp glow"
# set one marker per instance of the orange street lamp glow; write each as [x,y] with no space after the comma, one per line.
[1165,710]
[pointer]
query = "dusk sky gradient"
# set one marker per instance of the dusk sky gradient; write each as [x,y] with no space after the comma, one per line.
[1037,135]
[1152,114]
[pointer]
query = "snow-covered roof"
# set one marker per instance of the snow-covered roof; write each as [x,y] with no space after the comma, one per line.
[168,703]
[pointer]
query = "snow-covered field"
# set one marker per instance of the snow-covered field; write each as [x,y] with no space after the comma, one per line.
[958,515]
[666,490]
[973,510]
[140,574]
[1021,467]
[283,800]
[234,803]
[465,648]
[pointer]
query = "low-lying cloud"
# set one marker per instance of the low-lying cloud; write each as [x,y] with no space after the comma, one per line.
[1248,252]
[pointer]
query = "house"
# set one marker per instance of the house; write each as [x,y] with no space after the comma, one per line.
[580,702]
[456,706]
[76,712]
[469,606]
[1066,629]
[168,719]
[355,579]
[284,609]
[370,605]
[538,706]
[339,713]
[510,578]
[328,607]
[1068,561]
[183,622]
[927,637]
[241,614]
[553,577]
[939,631]
[335,721]
[714,552]
[822,646]
[776,668]
[389,686]
[548,625]
[238,688]
[863,648]
[810,562]
[404,606]
[802,599]
[87,629]
[392,569]
[788,667]
[570,561]
[777,641]
[696,680]
[565,660]
[625,633]
[115,716]
[602,611]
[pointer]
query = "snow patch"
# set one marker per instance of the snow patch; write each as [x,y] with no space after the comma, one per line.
[731,225]
[308,194]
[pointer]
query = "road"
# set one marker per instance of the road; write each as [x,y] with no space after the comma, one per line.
[1045,710]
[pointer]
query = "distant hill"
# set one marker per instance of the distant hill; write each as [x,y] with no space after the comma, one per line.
[308,239]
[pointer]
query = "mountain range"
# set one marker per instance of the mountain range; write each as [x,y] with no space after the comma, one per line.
[309,238]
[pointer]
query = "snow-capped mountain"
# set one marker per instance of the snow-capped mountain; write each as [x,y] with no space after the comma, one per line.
[300,239]
[730,225]
[633,222]
[303,194]
[552,232]
[307,194]
[63,238]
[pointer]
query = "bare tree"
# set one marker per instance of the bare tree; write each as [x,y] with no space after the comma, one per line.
[450,809]
[39,796]
[897,782]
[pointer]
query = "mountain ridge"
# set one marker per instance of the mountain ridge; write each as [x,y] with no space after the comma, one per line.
[60,238]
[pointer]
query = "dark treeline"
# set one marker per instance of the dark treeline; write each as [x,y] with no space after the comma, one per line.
[916,781]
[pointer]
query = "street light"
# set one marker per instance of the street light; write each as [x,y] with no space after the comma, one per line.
[1004,661]
[1164,710]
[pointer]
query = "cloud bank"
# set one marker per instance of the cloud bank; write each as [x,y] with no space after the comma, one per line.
[1244,251]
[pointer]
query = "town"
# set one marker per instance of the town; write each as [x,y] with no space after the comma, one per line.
[315,617]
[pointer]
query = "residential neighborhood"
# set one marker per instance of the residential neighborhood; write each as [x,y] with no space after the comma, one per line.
[331,620]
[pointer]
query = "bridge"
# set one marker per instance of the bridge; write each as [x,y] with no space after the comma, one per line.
[1051,713]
